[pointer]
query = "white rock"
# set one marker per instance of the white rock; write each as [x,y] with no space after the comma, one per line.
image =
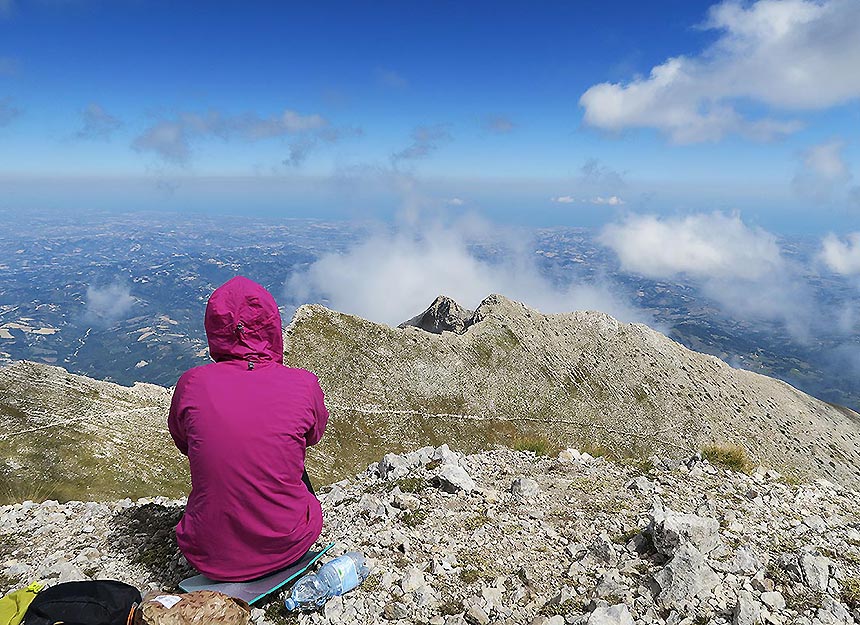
[685,577]
[452,478]
[773,599]
[747,610]
[612,615]
[524,488]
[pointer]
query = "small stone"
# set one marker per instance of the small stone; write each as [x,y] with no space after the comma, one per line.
[816,571]
[524,488]
[476,615]
[394,611]
[774,600]
[669,530]
[747,610]
[405,501]
[612,615]
[392,466]
[832,612]
[333,608]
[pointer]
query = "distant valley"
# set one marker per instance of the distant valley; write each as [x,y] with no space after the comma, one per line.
[120,297]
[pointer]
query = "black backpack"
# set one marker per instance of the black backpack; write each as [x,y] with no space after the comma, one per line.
[99,602]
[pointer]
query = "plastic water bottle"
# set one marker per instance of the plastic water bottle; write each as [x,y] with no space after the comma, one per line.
[336,577]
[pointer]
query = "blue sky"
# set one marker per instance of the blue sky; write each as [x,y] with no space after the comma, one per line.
[541,113]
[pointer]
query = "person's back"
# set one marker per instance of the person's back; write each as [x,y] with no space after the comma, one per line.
[245,421]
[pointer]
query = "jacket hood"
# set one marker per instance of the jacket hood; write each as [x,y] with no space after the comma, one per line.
[243,323]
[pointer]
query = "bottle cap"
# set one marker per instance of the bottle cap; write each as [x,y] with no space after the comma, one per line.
[290,604]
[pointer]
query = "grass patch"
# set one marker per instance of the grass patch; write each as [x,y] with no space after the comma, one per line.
[625,537]
[732,457]
[595,450]
[539,445]
[411,484]
[851,592]
[451,607]
[278,614]
[414,518]
[474,522]
[475,566]
[562,608]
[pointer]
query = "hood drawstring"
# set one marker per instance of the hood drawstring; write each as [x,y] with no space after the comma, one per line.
[240,329]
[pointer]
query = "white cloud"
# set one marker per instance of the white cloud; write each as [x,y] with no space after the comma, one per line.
[109,303]
[612,200]
[394,275]
[699,245]
[739,267]
[794,55]
[842,256]
[455,201]
[171,139]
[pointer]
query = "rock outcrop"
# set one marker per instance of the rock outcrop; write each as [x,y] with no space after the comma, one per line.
[516,539]
[443,315]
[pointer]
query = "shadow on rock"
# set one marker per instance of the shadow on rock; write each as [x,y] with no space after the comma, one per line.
[146,536]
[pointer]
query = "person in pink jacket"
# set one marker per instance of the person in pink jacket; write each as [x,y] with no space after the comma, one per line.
[245,422]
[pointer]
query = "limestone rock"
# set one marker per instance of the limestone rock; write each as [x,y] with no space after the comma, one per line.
[685,579]
[611,615]
[452,479]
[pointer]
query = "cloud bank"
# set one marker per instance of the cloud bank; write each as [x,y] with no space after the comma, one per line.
[794,55]
[739,267]
[171,139]
[394,275]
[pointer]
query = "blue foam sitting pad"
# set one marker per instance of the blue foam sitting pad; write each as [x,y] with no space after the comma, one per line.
[256,590]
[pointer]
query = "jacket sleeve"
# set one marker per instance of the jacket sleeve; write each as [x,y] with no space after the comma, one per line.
[176,418]
[315,433]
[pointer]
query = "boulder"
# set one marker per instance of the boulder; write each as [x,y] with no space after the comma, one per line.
[452,479]
[686,579]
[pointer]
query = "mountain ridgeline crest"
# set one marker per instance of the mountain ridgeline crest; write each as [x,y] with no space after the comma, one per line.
[470,379]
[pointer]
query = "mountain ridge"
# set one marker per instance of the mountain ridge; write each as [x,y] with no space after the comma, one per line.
[582,379]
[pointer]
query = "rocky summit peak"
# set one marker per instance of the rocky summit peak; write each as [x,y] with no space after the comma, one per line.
[443,315]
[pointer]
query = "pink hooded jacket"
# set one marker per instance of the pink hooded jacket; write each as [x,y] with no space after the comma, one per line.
[244,422]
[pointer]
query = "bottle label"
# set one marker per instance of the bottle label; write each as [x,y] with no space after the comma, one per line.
[345,568]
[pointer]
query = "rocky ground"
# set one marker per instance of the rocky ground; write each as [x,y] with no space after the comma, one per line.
[509,537]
